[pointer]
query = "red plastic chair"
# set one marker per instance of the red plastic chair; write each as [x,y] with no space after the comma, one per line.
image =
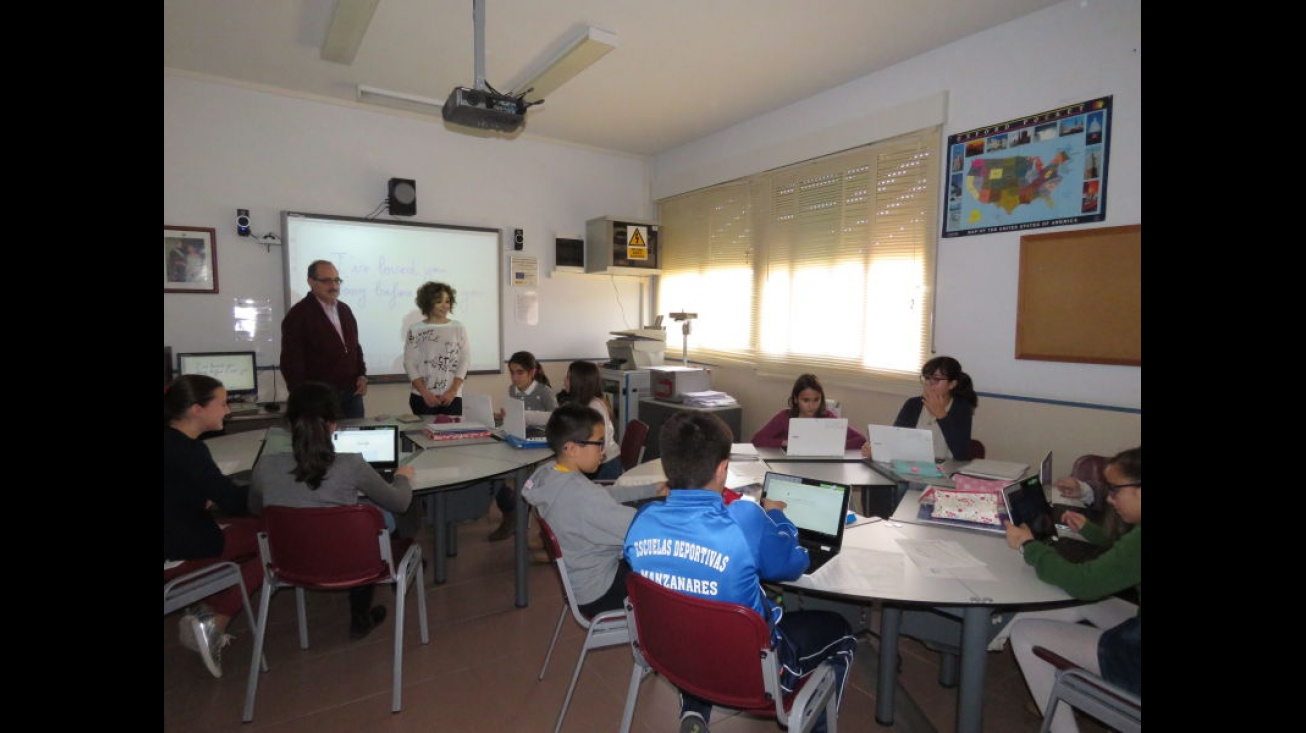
[633,438]
[711,649]
[603,630]
[336,548]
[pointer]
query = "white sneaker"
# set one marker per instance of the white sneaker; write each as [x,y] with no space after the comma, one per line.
[186,631]
[208,641]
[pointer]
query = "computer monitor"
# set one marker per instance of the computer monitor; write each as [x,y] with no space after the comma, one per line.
[237,370]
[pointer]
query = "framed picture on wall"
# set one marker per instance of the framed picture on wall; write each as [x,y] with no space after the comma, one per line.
[190,260]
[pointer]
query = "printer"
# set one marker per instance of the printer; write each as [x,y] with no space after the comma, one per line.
[670,383]
[638,348]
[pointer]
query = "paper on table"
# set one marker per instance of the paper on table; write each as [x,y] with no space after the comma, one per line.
[740,451]
[932,554]
[858,570]
[744,473]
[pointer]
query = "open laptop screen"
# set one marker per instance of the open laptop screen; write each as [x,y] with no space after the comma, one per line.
[818,508]
[379,444]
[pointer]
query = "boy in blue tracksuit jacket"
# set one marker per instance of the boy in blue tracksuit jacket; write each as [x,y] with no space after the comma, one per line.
[696,544]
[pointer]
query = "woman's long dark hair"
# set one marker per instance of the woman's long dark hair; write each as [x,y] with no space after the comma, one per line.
[187,390]
[951,368]
[806,382]
[586,384]
[526,360]
[310,409]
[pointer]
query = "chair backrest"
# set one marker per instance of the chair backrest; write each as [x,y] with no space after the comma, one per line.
[977,450]
[327,547]
[632,443]
[1081,689]
[709,649]
[554,550]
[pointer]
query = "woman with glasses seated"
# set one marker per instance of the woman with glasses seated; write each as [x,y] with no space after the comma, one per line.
[945,408]
[1104,637]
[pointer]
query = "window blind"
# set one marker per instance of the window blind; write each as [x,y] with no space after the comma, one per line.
[826,264]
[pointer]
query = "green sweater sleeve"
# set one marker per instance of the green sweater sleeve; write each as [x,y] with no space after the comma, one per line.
[1117,569]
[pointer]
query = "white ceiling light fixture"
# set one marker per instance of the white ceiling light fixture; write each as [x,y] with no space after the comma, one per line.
[399,100]
[577,55]
[349,22]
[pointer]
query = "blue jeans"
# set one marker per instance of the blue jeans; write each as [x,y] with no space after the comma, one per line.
[608,471]
[419,406]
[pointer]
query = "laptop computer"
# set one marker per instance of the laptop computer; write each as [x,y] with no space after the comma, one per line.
[889,444]
[478,410]
[379,445]
[817,437]
[515,432]
[819,509]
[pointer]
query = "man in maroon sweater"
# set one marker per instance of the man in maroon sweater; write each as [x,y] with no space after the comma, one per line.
[319,341]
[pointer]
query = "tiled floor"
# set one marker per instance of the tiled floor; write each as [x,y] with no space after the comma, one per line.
[479,671]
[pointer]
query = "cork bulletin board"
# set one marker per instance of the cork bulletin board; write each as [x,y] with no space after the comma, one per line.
[1081,296]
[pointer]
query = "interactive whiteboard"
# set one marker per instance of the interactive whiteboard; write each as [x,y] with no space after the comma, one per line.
[383,263]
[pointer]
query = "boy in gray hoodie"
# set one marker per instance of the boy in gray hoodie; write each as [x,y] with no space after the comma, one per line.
[589,520]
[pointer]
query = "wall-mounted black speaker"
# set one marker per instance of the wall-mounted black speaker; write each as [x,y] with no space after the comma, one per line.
[242,222]
[401,197]
[518,239]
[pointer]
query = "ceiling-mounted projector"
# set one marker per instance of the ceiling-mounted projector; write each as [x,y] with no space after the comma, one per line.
[484,108]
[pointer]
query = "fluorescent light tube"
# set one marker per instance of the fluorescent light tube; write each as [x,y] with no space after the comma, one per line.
[576,56]
[349,22]
[399,100]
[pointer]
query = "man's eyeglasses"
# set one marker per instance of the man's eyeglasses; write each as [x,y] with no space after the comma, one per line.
[599,443]
[328,280]
[1114,489]
[933,380]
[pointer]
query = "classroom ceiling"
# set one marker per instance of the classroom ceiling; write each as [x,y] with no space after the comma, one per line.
[682,68]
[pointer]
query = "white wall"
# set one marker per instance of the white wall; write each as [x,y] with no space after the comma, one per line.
[1075,51]
[227,147]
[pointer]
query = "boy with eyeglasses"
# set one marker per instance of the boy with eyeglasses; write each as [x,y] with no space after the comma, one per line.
[589,520]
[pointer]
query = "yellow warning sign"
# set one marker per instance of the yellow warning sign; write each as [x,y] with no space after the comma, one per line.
[636,243]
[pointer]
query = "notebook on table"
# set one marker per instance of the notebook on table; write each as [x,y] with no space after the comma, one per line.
[988,468]
[379,445]
[817,437]
[819,509]
[515,431]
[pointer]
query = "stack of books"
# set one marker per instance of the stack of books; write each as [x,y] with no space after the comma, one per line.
[455,430]
[708,398]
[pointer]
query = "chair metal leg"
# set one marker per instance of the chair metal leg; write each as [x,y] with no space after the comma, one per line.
[260,632]
[302,611]
[637,673]
[575,675]
[396,694]
[556,631]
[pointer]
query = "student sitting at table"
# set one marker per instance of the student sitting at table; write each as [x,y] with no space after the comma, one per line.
[750,542]
[945,408]
[584,384]
[806,399]
[589,520]
[194,404]
[314,475]
[1110,643]
[530,385]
